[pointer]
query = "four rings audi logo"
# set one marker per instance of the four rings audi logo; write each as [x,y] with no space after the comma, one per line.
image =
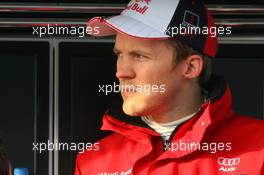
[228,161]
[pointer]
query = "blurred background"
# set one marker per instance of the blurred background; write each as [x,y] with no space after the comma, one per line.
[49,83]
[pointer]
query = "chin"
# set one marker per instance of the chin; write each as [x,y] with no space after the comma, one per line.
[143,105]
[130,110]
[134,107]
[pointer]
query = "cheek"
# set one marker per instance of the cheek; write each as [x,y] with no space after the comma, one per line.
[169,85]
[154,74]
[164,78]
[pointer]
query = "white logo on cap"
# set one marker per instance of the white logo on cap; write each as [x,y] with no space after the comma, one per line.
[190,19]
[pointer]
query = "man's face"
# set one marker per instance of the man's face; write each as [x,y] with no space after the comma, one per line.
[147,64]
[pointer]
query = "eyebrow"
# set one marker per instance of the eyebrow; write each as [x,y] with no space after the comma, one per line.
[116,50]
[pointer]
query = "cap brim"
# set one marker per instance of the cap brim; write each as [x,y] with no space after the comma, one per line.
[125,25]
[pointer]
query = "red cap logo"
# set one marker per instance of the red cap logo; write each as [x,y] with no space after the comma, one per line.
[147,1]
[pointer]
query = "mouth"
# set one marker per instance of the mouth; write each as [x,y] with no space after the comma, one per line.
[128,90]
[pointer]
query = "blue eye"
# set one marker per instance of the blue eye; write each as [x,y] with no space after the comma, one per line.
[140,57]
[118,55]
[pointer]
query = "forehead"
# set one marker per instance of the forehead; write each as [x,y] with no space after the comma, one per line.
[129,42]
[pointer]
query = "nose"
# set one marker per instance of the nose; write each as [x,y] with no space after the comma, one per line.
[124,69]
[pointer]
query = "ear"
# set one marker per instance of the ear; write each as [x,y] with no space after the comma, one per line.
[193,67]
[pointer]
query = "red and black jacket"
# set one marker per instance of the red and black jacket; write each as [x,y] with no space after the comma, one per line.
[214,141]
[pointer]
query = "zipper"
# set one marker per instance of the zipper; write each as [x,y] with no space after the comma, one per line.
[167,143]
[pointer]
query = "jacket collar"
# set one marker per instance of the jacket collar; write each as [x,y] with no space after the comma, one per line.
[215,111]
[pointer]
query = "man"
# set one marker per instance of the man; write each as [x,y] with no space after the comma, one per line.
[185,125]
[5,166]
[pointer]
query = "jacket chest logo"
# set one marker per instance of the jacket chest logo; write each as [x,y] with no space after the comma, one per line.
[128,172]
[228,164]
